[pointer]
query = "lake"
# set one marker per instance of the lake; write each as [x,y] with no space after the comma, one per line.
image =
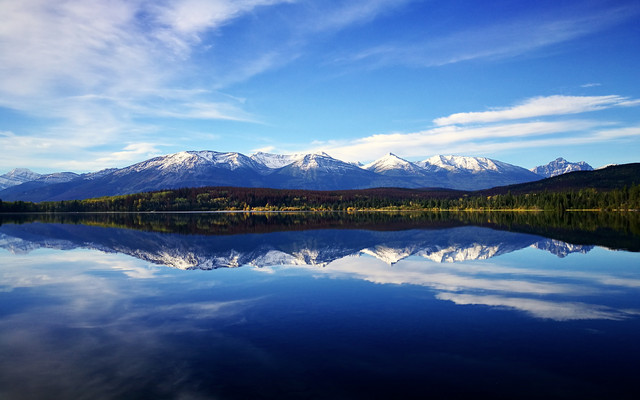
[319,306]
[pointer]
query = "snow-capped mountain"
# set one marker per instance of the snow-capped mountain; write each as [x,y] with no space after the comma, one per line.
[98,174]
[57,177]
[472,165]
[560,166]
[321,172]
[561,249]
[322,162]
[391,164]
[190,160]
[275,160]
[183,169]
[17,176]
[472,173]
[318,171]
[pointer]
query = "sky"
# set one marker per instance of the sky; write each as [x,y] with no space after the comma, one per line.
[93,84]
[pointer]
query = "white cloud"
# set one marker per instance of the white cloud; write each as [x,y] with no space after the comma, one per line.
[348,13]
[131,152]
[98,71]
[181,23]
[540,107]
[118,58]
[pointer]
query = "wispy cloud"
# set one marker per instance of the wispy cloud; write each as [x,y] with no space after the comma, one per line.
[99,72]
[111,54]
[455,139]
[133,151]
[540,107]
[346,13]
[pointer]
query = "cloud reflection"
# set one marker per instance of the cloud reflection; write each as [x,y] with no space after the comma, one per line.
[548,294]
[83,325]
[556,310]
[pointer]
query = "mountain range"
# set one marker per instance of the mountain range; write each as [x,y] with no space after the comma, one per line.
[317,171]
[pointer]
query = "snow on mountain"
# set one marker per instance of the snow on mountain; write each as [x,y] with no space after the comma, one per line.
[321,172]
[561,249]
[275,160]
[189,160]
[465,164]
[560,166]
[392,164]
[317,171]
[607,166]
[17,176]
[474,173]
[231,161]
[57,177]
[388,255]
[322,162]
[98,174]
[473,251]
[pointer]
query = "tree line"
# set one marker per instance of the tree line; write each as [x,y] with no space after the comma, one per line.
[264,199]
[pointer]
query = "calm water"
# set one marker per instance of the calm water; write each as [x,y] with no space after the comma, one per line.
[322,307]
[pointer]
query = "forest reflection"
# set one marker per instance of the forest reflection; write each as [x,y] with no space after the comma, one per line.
[613,230]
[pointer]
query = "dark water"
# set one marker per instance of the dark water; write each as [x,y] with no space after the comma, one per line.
[334,306]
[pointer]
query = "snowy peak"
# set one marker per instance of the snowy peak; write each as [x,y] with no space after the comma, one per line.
[317,171]
[466,164]
[21,174]
[98,174]
[391,163]
[17,176]
[57,177]
[188,160]
[322,162]
[560,166]
[275,160]
[230,161]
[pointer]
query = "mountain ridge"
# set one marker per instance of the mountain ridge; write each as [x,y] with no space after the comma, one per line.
[560,166]
[315,171]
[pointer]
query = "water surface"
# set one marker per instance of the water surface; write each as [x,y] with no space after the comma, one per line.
[333,306]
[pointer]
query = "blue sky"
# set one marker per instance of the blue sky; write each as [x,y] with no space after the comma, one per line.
[92,84]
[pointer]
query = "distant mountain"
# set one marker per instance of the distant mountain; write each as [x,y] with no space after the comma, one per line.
[317,171]
[17,176]
[473,173]
[321,172]
[184,169]
[465,164]
[275,160]
[560,166]
[393,165]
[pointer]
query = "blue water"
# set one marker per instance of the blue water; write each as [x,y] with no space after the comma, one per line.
[107,313]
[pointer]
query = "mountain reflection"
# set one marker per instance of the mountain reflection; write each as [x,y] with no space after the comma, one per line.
[446,259]
[312,247]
